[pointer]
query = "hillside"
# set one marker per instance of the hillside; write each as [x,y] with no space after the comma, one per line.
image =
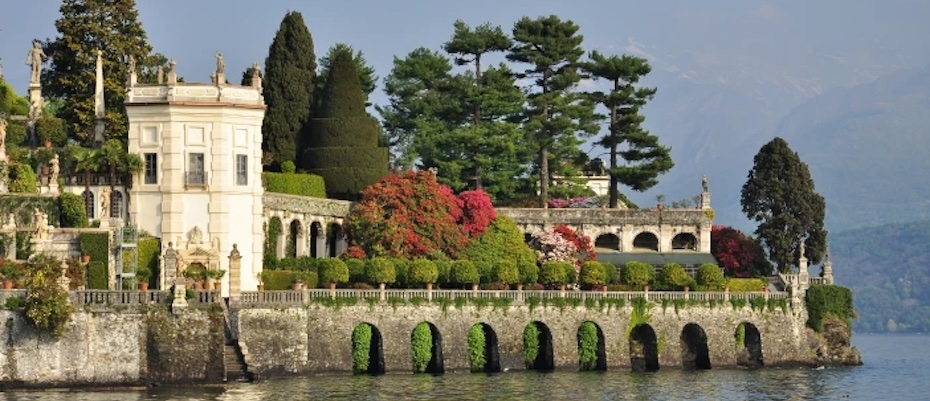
[887,268]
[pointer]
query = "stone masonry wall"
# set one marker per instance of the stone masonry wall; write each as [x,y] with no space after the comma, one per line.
[113,348]
[318,338]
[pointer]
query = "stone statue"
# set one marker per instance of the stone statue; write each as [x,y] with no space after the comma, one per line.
[220,65]
[704,183]
[159,75]
[104,203]
[35,59]
[11,222]
[55,168]
[2,135]
[256,76]
[196,236]
[172,72]
[132,64]
[41,221]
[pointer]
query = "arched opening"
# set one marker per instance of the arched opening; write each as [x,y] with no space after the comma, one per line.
[748,346]
[607,241]
[426,343]
[89,204]
[316,238]
[334,239]
[483,355]
[116,204]
[646,241]
[591,352]
[684,241]
[367,350]
[293,237]
[273,232]
[537,347]
[694,352]
[644,349]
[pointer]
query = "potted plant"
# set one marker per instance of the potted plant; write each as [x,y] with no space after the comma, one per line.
[10,273]
[217,275]
[197,274]
[261,282]
[143,274]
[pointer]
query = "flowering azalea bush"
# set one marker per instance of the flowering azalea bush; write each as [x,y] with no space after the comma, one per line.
[477,212]
[562,244]
[581,202]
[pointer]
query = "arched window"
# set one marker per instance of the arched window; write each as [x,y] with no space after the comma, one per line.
[116,202]
[89,203]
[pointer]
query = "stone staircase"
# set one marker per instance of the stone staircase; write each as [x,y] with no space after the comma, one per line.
[234,364]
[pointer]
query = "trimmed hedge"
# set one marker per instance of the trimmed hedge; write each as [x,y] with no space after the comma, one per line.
[96,245]
[745,284]
[380,270]
[710,277]
[149,250]
[333,270]
[344,182]
[21,179]
[277,280]
[72,212]
[828,300]
[637,274]
[295,184]
[97,275]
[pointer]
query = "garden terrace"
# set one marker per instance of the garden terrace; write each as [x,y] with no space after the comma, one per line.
[90,298]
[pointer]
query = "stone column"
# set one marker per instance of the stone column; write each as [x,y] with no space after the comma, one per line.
[235,268]
[803,274]
[827,268]
[281,245]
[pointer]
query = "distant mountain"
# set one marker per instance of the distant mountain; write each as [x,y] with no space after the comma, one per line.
[887,268]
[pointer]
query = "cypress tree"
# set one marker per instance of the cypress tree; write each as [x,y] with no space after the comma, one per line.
[344,146]
[290,70]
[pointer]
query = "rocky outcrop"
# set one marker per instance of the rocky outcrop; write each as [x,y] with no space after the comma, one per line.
[833,347]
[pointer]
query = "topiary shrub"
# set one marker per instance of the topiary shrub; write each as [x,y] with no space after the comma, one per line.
[465,272]
[529,273]
[361,348]
[530,344]
[21,178]
[421,342]
[592,274]
[278,280]
[96,245]
[422,271]
[638,274]
[380,271]
[673,277]
[554,273]
[610,271]
[97,275]
[507,272]
[333,271]
[745,284]
[72,212]
[401,271]
[710,277]
[587,346]
[295,184]
[444,270]
[477,360]
[356,270]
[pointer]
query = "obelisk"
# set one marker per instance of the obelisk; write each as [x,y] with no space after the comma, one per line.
[99,110]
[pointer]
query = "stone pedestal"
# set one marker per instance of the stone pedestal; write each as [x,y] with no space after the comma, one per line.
[180,297]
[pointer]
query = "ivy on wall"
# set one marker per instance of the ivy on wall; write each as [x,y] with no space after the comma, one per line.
[587,346]
[421,341]
[23,207]
[530,344]
[476,348]
[639,315]
[272,231]
[96,245]
[828,300]
[361,348]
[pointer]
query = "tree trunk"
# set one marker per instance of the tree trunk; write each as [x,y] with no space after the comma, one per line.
[613,190]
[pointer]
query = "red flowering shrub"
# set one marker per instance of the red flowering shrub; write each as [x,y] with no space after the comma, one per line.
[737,253]
[477,212]
[582,243]
[407,215]
[354,252]
[563,244]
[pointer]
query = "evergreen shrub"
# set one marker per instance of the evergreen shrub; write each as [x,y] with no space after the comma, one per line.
[828,300]
[72,211]
[295,184]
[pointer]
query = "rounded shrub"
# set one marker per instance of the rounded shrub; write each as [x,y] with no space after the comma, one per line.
[444,270]
[592,274]
[333,270]
[380,271]
[465,272]
[422,271]
[610,272]
[507,272]
[529,273]
[356,270]
[710,277]
[72,212]
[554,273]
[673,276]
[477,359]
[638,274]
[421,341]
[401,272]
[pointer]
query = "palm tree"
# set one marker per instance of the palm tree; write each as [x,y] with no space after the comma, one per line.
[86,161]
[112,154]
[131,165]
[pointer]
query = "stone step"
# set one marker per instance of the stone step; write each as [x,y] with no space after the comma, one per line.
[235,367]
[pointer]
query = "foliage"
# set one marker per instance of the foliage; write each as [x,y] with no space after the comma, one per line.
[333,270]
[290,70]
[550,246]
[587,346]
[639,315]
[477,212]
[95,245]
[12,104]
[356,270]
[710,277]
[610,271]
[97,276]
[553,273]
[380,271]
[366,73]
[556,114]
[592,274]
[644,158]
[465,272]
[73,212]
[476,348]
[422,271]
[739,254]
[277,280]
[361,348]
[143,274]
[502,241]
[21,178]
[581,202]
[408,215]
[828,300]
[637,274]
[529,273]
[84,28]
[295,184]
[421,342]
[745,284]
[779,195]
[673,276]
[530,344]
[48,306]
[52,129]
[343,146]
[507,272]
[149,250]
[272,231]
[583,247]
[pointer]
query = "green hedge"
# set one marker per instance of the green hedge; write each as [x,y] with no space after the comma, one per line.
[149,250]
[21,179]
[421,342]
[277,280]
[477,359]
[73,212]
[745,284]
[97,275]
[23,206]
[361,348]
[331,132]
[295,184]
[97,246]
[587,346]
[828,300]
[347,182]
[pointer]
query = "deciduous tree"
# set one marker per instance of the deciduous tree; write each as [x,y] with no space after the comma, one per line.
[290,70]
[779,195]
[738,254]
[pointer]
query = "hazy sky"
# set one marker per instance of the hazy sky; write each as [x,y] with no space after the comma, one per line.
[681,35]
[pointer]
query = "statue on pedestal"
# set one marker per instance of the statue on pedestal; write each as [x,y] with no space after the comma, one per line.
[55,169]
[42,227]
[2,135]
[220,64]
[35,59]
[104,203]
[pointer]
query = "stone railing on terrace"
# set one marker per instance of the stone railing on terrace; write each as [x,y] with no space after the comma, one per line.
[571,216]
[195,93]
[306,204]
[120,298]
[299,297]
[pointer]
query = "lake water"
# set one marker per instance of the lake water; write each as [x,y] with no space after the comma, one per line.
[897,367]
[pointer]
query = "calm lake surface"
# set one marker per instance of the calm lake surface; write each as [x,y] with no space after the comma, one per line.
[897,367]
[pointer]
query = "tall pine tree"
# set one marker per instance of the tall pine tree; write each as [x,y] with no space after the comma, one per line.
[645,158]
[779,195]
[84,27]
[344,147]
[290,70]
[556,116]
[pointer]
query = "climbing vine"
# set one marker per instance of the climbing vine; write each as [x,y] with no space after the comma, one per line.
[740,336]
[477,358]
[640,314]
[530,344]
[361,348]
[47,305]
[273,230]
[828,300]
[422,343]
[587,346]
